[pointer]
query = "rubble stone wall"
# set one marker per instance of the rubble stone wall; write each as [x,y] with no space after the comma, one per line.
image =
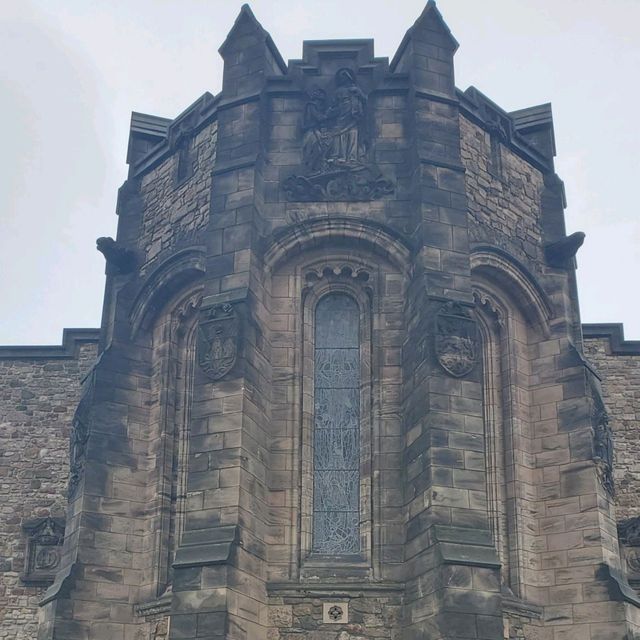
[621,387]
[38,396]
[503,192]
[175,209]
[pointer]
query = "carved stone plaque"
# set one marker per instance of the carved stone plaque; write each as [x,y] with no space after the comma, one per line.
[218,335]
[456,340]
[44,550]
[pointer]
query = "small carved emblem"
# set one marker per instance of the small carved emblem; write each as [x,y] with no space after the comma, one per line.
[335,148]
[218,340]
[336,612]
[456,340]
[44,546]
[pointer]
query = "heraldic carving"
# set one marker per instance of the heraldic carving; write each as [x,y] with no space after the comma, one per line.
[218,335]
[335,148]
[80,435]
[602,438]
[456,339]
[44,547]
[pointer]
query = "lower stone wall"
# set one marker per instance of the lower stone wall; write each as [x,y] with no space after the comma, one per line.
[39,391]
[618,363]
[323,616]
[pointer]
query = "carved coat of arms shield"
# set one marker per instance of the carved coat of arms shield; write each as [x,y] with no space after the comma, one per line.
[218,341]
[456,340]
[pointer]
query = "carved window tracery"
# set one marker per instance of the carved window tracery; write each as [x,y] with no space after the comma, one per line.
[336,435]
[336,477]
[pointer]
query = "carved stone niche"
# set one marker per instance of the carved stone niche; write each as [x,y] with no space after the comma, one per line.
[44,550]
[629,538]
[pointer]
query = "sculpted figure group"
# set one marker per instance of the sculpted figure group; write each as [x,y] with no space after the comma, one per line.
[335,147]
[335,134]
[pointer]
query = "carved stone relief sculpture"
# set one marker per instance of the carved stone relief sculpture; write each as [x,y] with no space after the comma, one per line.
[335,148]
[43,550]
[80,435]
[629,538]
[456,340]
[218,335]
[602,439]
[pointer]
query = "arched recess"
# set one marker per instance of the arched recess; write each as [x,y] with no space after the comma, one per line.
[164,321]
[173,361]
[304,266]
[513,317]
[168,279]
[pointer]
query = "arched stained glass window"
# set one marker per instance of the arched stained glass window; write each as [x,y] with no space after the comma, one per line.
[336,439]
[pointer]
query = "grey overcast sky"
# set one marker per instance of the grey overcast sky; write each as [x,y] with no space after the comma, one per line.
[71,72]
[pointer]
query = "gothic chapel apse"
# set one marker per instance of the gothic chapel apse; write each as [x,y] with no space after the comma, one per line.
[341,390]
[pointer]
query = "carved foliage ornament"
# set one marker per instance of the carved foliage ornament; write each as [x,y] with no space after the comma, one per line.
[335,148]
[218,335]
[456,340]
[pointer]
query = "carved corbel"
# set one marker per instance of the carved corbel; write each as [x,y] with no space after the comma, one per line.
[560,253]
[120,260]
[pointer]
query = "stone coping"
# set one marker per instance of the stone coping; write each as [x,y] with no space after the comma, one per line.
[71,341]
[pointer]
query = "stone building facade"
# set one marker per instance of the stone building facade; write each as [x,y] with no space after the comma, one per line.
[341,390]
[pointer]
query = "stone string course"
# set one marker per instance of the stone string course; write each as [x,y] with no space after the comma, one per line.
[38,397]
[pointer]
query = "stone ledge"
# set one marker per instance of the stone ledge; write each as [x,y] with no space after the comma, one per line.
[71,341]
[332,589]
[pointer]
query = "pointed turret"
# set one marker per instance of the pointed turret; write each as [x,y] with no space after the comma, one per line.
[426,53]
[249,56]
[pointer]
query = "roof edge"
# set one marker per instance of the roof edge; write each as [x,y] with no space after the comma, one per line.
[614,333]
[71,341]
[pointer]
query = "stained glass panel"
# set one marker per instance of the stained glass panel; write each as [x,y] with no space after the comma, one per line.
[336,486]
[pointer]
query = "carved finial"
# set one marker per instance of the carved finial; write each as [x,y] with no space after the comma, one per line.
[119,259]
[558,254]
